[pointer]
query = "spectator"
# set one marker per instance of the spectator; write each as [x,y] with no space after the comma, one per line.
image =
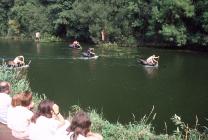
[21,115]
[47,122]
[5,101]
[16,101]
[80,128]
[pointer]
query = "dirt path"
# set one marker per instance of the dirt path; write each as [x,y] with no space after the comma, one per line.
[5,133]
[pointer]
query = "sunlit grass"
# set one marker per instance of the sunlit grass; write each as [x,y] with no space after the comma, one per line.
[112,50]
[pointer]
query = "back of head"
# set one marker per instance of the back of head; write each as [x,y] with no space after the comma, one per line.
[4,87]
[26,98]
[16,100]
[45,108]
[80,124]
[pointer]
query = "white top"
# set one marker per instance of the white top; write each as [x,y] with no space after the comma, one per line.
[19,118]
[5,102]
[37,34]
[10,116]
[80,137]
[44,128]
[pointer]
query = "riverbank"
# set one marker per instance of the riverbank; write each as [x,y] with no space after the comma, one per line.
[142,129]
[113,46]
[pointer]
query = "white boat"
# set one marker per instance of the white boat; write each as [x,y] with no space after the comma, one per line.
[93,57]
[86,56]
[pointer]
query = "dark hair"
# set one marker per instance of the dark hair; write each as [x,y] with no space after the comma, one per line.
[44,109]
[4,87]
[26,98]
[80,125]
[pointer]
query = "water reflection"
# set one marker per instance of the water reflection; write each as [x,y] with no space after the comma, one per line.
[151,72]
[92,65]
[75,53]
[38,47]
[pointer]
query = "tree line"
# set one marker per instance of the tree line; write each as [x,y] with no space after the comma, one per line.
[126,22]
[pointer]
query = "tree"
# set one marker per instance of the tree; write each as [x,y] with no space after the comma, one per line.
[168,20]
[5,6]
[31,17]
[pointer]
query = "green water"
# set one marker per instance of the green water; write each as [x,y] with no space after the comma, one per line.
[116,84]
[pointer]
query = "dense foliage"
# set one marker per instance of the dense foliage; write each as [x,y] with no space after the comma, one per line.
[128,23]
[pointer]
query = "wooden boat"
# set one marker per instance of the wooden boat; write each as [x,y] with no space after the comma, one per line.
[146,64]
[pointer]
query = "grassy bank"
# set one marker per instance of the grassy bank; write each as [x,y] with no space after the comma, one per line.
[137,130]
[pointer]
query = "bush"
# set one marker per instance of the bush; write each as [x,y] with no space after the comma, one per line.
[49,38]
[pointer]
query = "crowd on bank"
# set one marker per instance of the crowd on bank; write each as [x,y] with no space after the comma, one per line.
[46,122]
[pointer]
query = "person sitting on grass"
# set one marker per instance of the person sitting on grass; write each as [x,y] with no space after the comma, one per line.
[16,101]
[47,122]
[5,100]
[21,115]
[80,128]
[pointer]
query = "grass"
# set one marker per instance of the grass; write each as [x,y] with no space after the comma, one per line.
[49,38]
[109,46]
[142,130]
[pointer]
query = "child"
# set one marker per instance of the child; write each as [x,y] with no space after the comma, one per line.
[21,115]
[47,122]
[80,128]
[16,101]
[5,100]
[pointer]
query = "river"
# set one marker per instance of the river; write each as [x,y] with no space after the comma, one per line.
[116,84]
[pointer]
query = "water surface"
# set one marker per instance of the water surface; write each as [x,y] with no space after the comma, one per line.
[115,83]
